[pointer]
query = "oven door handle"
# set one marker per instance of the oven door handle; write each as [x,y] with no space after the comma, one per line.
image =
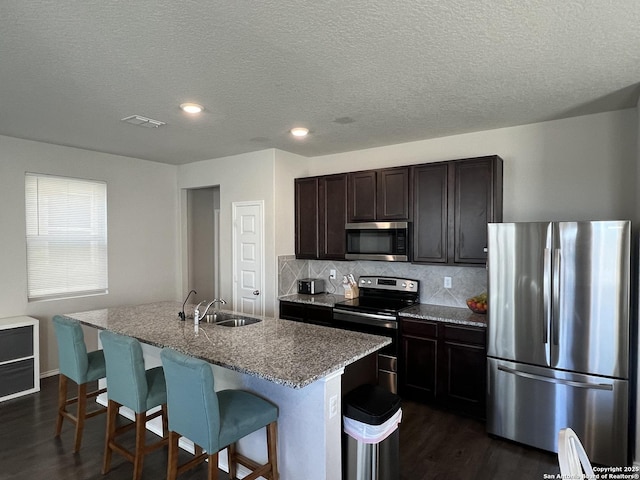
[384,321]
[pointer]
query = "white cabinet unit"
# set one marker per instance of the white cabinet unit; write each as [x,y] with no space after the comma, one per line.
[19,357]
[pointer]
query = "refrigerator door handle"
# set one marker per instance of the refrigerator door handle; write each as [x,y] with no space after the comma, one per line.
[555,305]
[554,318]
[557,381]
[546,298]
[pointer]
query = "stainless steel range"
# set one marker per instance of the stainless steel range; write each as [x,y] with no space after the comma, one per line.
[375,311]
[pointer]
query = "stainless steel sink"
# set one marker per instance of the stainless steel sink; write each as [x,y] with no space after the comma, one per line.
[217,317]
[227,319]
[238,322]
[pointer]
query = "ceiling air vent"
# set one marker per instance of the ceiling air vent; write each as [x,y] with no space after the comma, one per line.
[143,121]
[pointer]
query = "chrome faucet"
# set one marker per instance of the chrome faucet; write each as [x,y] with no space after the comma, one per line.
[220,301]
[196,312]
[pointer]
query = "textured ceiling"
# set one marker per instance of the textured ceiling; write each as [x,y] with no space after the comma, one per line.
[357,73]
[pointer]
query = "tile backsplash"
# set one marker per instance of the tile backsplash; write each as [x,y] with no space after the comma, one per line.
[465,281]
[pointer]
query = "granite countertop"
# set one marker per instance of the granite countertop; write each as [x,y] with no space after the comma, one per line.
[439,313]
[285,352]
[423,311]
[322,299]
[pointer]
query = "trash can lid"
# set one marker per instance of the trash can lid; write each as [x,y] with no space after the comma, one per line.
[371,404]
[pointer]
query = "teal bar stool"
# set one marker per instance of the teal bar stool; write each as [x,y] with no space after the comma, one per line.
[214,420]
[79,366]
[130,385]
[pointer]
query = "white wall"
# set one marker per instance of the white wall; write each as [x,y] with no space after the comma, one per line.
[241,178]
[141,203]
[288,166]
[580,168]
[266,175]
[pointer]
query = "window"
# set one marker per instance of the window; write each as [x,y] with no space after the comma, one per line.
[66,236]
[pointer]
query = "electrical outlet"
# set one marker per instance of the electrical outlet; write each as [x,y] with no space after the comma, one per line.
[447,282]
[333,406]
[332,274]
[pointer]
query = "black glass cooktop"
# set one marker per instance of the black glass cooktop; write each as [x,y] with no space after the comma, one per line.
[375,304]
[383,295]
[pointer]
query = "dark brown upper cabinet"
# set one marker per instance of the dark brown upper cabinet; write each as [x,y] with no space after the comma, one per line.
[320,217]
[306,217]
[453,202]
[449,205]
[430,187]
[378,195]
[477,192]
[332,216]
[393,194]
[362,196]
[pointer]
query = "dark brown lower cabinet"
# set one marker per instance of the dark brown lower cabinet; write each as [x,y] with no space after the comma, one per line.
[419,359]
[303,312]
[464,372]
[444,364]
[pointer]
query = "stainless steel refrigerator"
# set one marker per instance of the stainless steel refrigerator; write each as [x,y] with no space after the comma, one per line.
[558,334]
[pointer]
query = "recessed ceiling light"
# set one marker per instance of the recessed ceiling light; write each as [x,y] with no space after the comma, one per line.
[191,107]
[299,132]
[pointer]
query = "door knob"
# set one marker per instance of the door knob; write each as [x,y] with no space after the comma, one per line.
[256,292]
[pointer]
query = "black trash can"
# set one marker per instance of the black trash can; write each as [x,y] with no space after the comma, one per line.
[371,446]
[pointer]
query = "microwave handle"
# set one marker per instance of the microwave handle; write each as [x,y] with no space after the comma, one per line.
[377,226]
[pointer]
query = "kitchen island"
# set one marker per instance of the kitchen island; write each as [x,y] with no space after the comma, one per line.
[297,366]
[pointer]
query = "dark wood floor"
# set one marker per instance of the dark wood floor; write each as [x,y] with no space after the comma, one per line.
[439,445]
[434,445]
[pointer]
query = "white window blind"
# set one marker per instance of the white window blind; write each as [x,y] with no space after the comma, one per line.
[66,236]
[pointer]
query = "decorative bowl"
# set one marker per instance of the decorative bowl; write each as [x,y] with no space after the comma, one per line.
[478,304]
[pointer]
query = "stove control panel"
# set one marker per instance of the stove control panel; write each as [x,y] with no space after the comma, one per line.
[390,283]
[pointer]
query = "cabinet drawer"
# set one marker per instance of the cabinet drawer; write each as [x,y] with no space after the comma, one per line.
[16,377]
[16,343]
[319,315]
[420,328]
[292,311]
[469,335]
[301,312]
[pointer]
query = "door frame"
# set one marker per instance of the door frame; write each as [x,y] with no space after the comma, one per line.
[234,249]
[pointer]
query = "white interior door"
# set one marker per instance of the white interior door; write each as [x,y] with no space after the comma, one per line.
[248,257]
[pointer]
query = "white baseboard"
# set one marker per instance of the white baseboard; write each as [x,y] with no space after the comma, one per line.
[50,373]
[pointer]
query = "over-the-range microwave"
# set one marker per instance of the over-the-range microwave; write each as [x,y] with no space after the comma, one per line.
[387,241]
